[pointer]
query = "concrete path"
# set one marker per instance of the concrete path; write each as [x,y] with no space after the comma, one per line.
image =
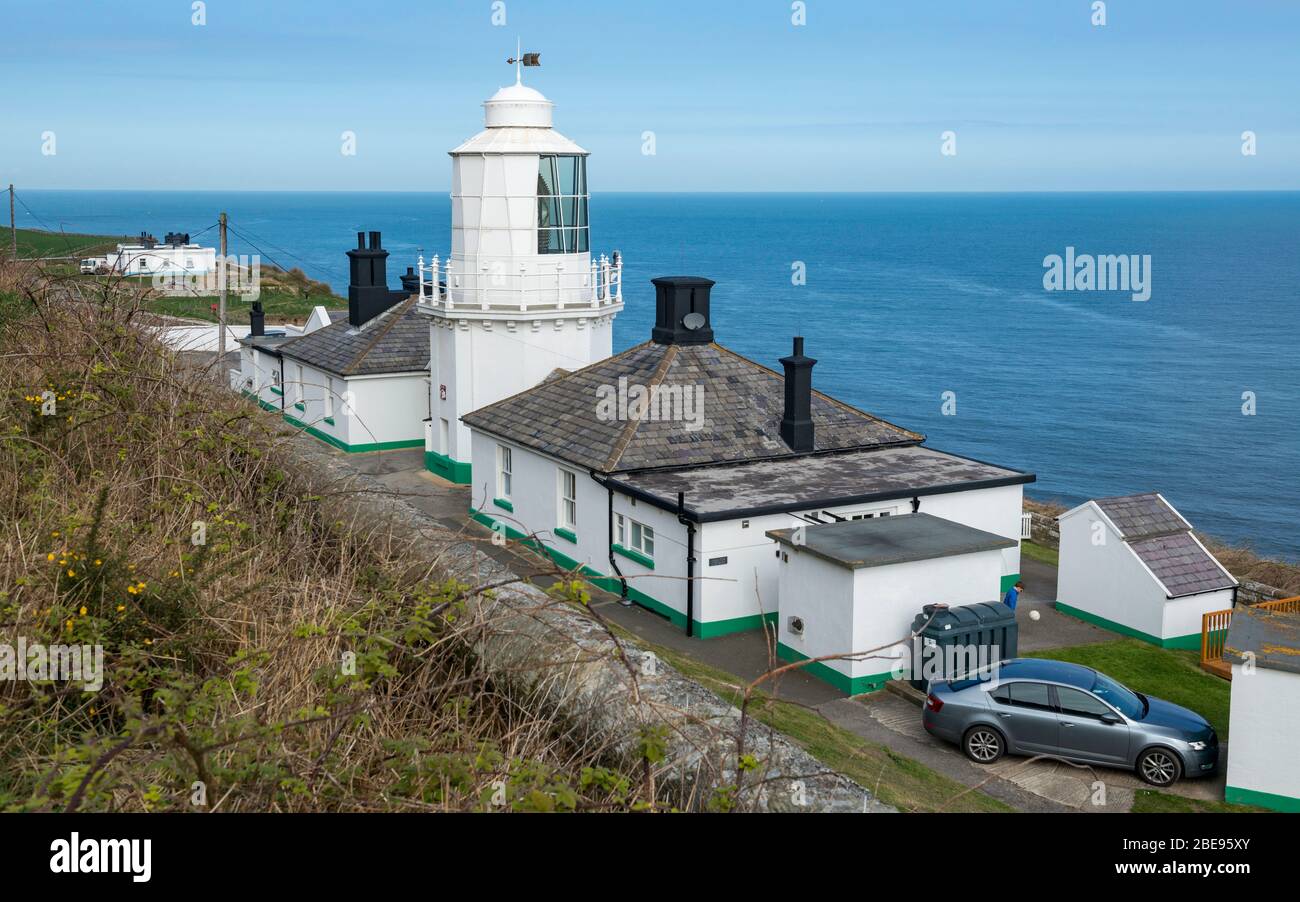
[1051,629]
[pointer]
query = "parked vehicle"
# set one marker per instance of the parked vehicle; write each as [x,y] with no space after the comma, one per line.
[94,266]
[1028,706]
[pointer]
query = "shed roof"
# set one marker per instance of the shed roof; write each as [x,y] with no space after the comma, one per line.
[1273,637]
[821,480]
[880,541]
[1142,516]
[395,341]
[1181,563]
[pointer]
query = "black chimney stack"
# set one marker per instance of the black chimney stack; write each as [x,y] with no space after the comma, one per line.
[797,425]
[368,294]
[682,311]
[256,319]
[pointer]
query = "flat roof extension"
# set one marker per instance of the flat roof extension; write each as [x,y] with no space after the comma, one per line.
[879,541]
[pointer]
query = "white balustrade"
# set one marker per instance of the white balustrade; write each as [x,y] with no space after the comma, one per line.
[444,286]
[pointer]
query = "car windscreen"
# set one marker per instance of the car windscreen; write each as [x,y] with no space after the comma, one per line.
[1119,696]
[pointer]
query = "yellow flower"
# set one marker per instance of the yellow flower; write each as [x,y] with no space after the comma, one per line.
[71,572]
[98,562]
[83,610]
[131,589]
[148,642]
[69,624]
[121,607]
[54,535]
[50,556]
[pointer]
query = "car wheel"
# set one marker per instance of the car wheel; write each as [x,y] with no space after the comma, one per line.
[1159,767]
[983,745]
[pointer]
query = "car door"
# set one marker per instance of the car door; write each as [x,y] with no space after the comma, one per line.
[1027,714]
[1090,728]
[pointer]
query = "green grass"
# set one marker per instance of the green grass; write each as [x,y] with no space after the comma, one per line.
[895,779]
[1149,801]
[279,306]
[1040,553]
[39,243]
[1170,674]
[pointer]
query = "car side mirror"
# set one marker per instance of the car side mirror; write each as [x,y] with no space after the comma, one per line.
[1111,719]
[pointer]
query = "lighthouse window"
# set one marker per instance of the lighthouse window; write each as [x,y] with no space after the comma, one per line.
[562,204]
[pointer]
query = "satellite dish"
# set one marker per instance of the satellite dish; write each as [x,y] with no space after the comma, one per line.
[694,321]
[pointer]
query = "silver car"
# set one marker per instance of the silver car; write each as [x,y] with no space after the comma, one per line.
[1029,706]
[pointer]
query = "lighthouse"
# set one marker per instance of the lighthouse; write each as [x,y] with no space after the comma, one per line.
[520,295]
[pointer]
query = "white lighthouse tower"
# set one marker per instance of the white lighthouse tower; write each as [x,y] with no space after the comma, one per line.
[520,294]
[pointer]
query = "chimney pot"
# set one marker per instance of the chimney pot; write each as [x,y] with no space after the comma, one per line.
[374,241]
[796,423]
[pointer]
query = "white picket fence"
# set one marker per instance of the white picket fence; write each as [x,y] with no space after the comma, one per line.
[1026,525]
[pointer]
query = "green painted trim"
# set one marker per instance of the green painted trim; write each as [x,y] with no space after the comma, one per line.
[1008,581]
[329,420]
[1192,640]
[265,405]
[713,628]
[451,470]
[1239,796]
[276,391]
[352,449]
[298,405]
[841,681]
[567,534]
[504,504]
[613,585]
[630,554]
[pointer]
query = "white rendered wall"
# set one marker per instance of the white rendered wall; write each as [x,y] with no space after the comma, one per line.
[258,371]
[1183,615]
[481,361]
[1264,731]
[386,408]
[1107,580]
[996,510]
[887,599]
[821,593]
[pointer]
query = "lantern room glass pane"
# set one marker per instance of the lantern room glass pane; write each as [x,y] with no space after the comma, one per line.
[562,204]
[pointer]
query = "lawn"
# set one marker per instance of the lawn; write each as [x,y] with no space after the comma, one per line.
[896,780]
[1040,553]
[280,306]
[1170,674]
[38,243]
[1149,801]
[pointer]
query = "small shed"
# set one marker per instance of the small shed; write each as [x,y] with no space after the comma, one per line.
[1131,564]
[854,586]
[1263,647]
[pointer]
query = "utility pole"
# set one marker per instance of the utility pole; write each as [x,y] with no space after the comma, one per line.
[13,229]
[223,273]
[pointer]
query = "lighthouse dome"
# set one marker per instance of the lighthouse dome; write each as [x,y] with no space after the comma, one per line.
[519,106]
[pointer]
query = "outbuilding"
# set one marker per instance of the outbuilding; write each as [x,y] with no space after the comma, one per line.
[1131,564]
[854,587]
[1263,647]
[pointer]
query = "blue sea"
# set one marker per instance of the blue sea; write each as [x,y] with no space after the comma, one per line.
[911,296]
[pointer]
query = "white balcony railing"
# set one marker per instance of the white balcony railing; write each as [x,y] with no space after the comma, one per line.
[450,287]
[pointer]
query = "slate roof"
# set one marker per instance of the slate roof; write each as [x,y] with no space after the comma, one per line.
[876,542]
[1162,539]
[1273,637]
[805,483]
[1182,564]
[1141,516]
[395,341]
[742,407]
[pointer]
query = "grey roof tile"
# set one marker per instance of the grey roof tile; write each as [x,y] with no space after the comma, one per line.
[1181,564]
[741,413]
[395,341]
[1141,516]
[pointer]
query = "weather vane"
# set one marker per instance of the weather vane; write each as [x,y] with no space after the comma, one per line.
[523,59]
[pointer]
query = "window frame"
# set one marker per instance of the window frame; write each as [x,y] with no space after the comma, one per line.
[505,472]
[563,237]
[563,520]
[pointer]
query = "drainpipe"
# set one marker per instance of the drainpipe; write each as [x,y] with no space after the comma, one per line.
[613,562]
[690,563]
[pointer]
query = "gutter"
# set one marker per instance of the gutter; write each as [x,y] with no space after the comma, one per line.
[690,562]
[609,544]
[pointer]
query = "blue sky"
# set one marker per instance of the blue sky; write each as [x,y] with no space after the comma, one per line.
[739,99]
